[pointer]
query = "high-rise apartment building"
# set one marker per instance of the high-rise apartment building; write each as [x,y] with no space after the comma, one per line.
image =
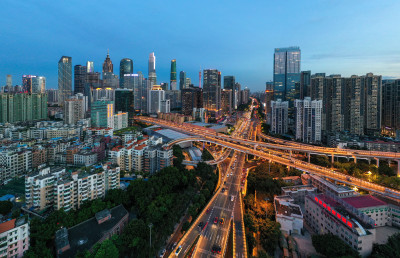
[174,97]
[188,82]
[226,102]
[22,107]
[308,119]
[279,116]
[286,72]
[56,188]
[125,67]
[305,84]
[75,108]
[64,79]
[52,96]
[391,107]
[79,78]
[212,92]
[102,114]
[124,102]
[349,104]
[269,96]
[245,95]
[192,97]
[373,103]
[108,66]
[152,69]
[173,75]
[182,80]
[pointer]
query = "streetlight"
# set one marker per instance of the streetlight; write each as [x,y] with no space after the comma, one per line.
[150,226]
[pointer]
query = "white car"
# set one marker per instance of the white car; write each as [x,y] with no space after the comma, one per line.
[178,250]
[232,198]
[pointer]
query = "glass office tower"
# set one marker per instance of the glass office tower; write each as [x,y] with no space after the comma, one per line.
[286,71]
[64,78]
[125,67]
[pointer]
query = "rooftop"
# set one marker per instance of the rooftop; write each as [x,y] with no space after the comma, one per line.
[364,201]
[84,235]
[6,226]
[284,206]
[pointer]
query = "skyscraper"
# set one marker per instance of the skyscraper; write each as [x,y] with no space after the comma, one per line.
[107,65]
[39,84]
[212,92]
[173,75]
[182,80]
[124,102]
[125,67]
[286,71]
[27,81]
[192,97]
[64,79]
[373,103]
[269,96]
[152,69]
[102,114]
[229,84]
[305,84]
[9,80]
[279,116]
[226,102]
[308,119]
[156,96]
[79,78]
[89,67]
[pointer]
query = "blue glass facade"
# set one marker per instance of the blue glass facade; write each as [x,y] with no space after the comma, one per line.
[286,71]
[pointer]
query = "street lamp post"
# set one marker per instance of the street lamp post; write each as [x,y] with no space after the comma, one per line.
[150,226]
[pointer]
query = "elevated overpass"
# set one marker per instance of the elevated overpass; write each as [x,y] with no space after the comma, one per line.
[300,165]
[280,145]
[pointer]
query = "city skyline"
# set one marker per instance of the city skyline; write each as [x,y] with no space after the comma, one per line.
[249,59]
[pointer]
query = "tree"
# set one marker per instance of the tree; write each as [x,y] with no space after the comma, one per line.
[390,249]
[269,235]
[251,242]
[5,207]
[206,155]
[332,246]
[386,170]
[107,249]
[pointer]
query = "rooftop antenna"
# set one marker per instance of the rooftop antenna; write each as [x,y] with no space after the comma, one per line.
[200,78]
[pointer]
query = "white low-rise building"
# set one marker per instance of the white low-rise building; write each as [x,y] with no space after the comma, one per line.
[288,214]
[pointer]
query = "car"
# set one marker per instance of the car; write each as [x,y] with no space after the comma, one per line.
[174,245]
[178,250]
[227,175]
[221,221]
[216,249]
[223,189]
[215,220]
[208,211]
[232,198]
[163,253]
[200,224]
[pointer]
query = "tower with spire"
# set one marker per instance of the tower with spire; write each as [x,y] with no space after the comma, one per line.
[107,65]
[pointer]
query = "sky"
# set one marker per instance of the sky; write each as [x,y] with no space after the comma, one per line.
[236,37]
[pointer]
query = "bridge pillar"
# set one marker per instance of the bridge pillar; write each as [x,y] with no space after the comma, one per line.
[291,153]
[398,167]
[377,162]
[355,159]
[309,157]
[389,162]
[332,159]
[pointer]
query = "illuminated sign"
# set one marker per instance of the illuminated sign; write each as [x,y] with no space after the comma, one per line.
[335,213]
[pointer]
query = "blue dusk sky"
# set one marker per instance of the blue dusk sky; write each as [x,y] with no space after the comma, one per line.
[237,37]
